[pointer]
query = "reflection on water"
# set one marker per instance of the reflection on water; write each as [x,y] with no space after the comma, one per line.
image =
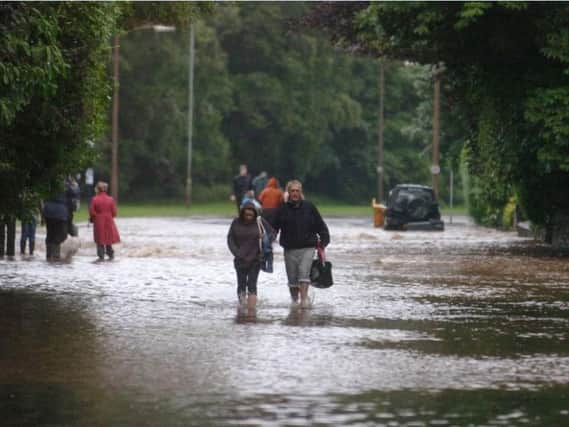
[465,327]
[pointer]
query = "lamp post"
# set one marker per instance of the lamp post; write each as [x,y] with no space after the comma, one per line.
[116,99]
[115,122]
[435,167]
[380,169]
[190,116]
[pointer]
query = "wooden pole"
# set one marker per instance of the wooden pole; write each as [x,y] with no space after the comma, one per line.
[435,168]
[115,121]
[190,117]
[380,168]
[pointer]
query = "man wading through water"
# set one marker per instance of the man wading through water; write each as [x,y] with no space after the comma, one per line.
[301,227]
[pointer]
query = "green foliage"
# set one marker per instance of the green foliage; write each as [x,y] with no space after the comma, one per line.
[506,68]
[154,116]
[281,101]
[31,59]
[58,51]
[548,109]
[54,87]
[136,14]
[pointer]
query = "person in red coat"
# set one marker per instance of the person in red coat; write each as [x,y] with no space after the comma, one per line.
[102,213]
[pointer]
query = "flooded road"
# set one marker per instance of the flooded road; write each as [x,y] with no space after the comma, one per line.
[468,327]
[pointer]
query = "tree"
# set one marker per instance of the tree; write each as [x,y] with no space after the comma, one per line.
[54,87]
[266,95]
[506,68]
[52,99]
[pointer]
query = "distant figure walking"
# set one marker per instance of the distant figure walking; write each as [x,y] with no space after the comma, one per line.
[72,196]
[271,198]
[29,225]
[55,215]
[259,183]
[102,212]
[244,242]
[7,235]
[241,186]
[301,227]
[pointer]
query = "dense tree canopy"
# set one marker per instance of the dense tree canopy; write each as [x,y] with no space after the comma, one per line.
[51,93]
[54,86]
[267,94]
[506,68]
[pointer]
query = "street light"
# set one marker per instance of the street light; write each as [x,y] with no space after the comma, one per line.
[380,169]
[115,115]
[435,167]
[190,116]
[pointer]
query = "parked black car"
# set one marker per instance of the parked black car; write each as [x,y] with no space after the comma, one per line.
[412,207]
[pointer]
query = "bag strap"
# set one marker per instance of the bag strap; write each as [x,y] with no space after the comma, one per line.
[321,252]
[262,232]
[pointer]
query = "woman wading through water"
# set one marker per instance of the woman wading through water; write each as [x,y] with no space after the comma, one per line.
[244,241]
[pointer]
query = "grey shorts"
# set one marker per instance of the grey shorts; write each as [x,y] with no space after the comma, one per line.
[297,264]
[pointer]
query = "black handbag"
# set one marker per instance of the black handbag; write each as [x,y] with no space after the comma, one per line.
[321,270]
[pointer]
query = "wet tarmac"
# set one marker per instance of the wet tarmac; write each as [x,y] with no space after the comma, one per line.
[466,327]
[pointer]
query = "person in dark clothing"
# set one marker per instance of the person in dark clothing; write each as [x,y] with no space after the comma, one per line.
[29,225]
[259,183]
[301,228]
[243,240]
[241,186]
[56,217]
[72,196]
[7,236]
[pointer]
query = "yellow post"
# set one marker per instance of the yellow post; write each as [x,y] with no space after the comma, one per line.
[378,213]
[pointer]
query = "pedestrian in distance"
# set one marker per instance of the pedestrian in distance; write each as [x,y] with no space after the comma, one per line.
[259,183]
[7,235]
[55,216]
[242,186]
[271,198]
[72,197]
[244,240]
[301,229]
[102,213]
[28,234]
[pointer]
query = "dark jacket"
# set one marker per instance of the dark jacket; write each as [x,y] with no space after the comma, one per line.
[241,184]
[243,241]
[56,208]
[259,183]
[300,226]
[72,195]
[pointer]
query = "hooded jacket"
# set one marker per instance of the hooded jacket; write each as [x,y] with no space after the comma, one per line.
[272,196]
[243,238]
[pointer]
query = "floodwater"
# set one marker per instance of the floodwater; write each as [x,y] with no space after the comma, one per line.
[466,327]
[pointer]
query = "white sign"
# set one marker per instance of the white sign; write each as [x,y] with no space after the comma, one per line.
[379,169]
[435,169]
[89,177]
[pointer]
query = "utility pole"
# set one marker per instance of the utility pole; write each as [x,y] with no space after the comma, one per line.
[380,169]
[451,192]
[190,117]
[435,167]
[115,122]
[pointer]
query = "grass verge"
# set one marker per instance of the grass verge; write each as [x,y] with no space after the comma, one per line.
[227,209]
